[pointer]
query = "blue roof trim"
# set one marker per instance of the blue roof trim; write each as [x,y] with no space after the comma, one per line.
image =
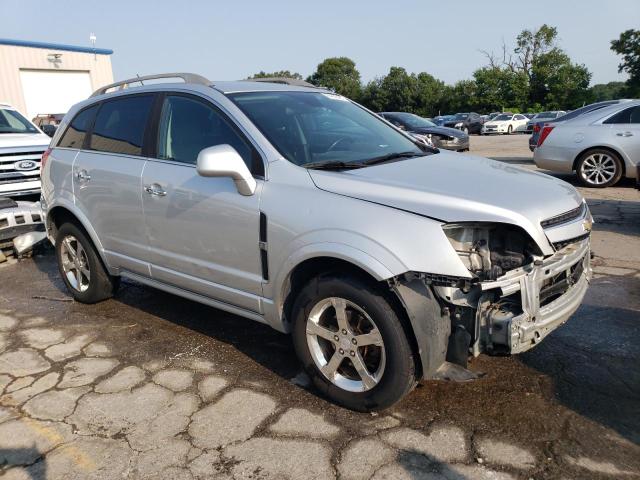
[54,46]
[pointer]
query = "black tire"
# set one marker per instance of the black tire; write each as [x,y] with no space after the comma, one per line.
[509,130]
[581,168]
[399,374]
[101,285]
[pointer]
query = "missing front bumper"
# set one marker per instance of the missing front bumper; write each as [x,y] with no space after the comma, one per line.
[521,308]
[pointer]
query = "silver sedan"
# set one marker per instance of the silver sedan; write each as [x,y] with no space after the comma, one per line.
[601,146]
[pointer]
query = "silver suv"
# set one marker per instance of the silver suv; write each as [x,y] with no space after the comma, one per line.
[387,260]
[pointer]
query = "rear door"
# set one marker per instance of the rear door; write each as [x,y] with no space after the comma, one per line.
[107,179]
[625,131]
[203,235]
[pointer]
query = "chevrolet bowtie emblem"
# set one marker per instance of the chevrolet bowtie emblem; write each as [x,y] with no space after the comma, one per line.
[587,225]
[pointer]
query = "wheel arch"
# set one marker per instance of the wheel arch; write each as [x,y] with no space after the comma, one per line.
[62,213]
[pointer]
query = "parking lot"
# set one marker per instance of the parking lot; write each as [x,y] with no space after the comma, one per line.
[150,385]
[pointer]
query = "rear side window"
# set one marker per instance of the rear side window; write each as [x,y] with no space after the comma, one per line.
[626,116]
[74,136]
[120,125]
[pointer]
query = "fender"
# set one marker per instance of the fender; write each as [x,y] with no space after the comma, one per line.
[340,251]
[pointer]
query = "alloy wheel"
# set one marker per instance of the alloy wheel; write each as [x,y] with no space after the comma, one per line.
[598,168]
[345,344]
[75,263]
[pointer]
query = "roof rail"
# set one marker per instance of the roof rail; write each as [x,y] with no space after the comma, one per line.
[187,77]
[284,80]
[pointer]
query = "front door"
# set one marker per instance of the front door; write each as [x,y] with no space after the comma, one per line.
[203,235]
[107,180]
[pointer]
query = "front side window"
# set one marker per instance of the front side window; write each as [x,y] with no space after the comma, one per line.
[189,125]
[120,125]
[311,127]
[74,136]
[12,122]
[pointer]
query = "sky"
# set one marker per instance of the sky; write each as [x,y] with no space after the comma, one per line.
[234,39]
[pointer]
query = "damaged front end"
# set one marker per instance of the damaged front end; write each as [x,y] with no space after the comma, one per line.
[515,297]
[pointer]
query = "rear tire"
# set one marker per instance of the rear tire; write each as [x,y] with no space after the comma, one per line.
[334,348]
[599,168]
[509,130]
[81,268]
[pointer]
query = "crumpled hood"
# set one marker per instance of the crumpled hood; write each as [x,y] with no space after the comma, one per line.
[21,140]
[454,187]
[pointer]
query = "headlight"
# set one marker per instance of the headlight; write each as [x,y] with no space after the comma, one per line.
[459,125]
[490,250]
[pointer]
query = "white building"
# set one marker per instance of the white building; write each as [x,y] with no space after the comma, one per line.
[47,78]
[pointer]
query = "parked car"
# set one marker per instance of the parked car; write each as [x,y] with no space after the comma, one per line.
[537,128]
[601,146]
[48,122]
[542,117]
[505,123]
[441,119]
[467,122]
[21,146]
[386,260]
[441,137]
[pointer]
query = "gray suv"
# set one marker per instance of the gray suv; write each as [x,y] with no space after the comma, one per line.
[387,260]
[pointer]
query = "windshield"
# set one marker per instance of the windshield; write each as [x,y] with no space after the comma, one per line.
[503,117]
[545,115]
[312,127]
[12,122]
[460,116]
[411,120]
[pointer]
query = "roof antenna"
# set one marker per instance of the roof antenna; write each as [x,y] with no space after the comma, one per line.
[141,82]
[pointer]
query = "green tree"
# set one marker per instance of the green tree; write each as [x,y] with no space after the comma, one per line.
[558,83]
[430,95]
[628,46]
[607,91]
[395,92]
[281,73]
[497,88]
[339,74]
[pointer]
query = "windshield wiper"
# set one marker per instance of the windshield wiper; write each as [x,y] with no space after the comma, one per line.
[337,165]
[392,156]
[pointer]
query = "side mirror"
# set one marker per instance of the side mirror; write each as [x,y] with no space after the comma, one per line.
[224,161]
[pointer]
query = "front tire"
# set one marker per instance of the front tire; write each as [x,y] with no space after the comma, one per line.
[509,130]
[81,268]
[599,168]
[352,343]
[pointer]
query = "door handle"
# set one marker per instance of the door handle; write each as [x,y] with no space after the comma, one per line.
[155,189]
[624,134]
[83,175]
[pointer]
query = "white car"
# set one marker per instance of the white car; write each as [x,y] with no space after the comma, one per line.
[21,147]
[506,123]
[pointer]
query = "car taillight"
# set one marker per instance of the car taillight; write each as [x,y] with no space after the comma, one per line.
[546,130]
[536,128]
[45,157]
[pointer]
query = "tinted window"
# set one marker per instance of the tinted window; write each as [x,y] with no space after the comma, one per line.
[120,125]
[628,115]
[73,137]
[188,125]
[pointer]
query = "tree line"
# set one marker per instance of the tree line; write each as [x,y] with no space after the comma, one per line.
[533,75]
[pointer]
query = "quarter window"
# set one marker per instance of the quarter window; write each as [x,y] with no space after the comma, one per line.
[626,116]
[188,125]
[120,125]
[74,136]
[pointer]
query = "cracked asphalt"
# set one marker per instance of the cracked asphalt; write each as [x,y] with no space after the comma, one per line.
[149,385]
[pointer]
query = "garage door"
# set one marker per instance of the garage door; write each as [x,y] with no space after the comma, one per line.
[47,91]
